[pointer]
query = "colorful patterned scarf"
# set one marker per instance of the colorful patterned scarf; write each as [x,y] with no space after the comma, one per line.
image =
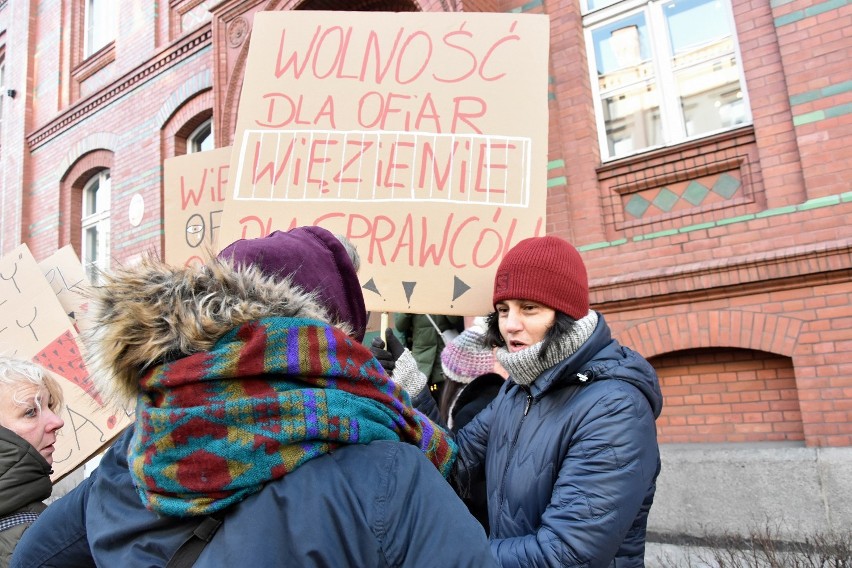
[213,427]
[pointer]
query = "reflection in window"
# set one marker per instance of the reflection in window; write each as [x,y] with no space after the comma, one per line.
[100,25]
[95,224]
[665,71]
[201,138]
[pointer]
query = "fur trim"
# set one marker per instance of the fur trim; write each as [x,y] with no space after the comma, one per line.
[152,313]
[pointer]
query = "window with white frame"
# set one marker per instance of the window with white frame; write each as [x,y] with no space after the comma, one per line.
[99,25]
[663,72]
[201,138]
[95,224]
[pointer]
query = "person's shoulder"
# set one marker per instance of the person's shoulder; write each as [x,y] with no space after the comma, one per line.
[377,455]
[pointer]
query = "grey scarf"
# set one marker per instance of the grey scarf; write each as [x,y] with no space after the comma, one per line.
[525,366]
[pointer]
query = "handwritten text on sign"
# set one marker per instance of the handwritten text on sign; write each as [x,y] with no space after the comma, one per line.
[194,189]
[421,137]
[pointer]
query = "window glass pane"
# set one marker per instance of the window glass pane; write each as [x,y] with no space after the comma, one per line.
[90,252]
[694,24]
[201,139]
[710,96]
[622,46]
[95,223]
[632,119]
[596,4]
[705,69]
[90,197]
[100,28]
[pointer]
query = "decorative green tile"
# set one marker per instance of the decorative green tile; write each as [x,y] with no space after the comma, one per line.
[839,110]
[726,186]
[819,202]
[637,206]
[557,181]
[666,199]
[808,117]
[697,227]
[732,220]
[695,193]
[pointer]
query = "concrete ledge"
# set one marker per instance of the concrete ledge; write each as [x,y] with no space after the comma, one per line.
[714,489]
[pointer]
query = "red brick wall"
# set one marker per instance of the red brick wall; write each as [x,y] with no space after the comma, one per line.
[727,395]
[753,287]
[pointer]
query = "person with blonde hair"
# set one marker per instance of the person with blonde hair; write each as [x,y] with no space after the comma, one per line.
[30,402]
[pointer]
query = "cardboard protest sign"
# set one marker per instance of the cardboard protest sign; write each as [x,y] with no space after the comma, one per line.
[34,325]
[420,136]
[194,189]
[66,275]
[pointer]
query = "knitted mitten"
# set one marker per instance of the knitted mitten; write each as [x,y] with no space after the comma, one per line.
[408,375]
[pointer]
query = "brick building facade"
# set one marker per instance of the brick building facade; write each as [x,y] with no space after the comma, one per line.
[724,258]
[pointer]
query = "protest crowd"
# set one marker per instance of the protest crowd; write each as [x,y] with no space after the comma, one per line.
[266,433]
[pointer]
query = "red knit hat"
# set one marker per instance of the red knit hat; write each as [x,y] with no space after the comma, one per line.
[547,270]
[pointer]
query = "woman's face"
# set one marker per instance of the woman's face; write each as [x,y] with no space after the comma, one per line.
[25,410]
[523,323]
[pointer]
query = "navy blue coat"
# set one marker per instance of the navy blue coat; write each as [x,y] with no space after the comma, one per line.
[381,504]
[571,461]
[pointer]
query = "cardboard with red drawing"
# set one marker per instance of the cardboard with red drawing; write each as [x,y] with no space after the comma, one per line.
[34,325]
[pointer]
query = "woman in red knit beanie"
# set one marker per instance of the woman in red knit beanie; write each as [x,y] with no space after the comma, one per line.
[568,448]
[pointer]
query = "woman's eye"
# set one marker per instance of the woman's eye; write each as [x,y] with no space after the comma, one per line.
[31,412]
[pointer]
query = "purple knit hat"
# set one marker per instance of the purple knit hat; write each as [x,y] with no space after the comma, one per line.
[467,356]
[316,261]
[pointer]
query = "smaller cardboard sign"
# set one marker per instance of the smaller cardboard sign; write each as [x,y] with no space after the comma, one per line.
[34,325]
[194,188]
[30,314]
[66,275]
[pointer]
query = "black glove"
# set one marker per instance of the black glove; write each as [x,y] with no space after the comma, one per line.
[387,357]
[393,344]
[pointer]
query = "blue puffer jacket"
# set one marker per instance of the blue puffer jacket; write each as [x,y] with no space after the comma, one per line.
[380,504]
[571,461]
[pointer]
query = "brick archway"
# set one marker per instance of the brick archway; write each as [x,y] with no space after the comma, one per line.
[72,179]
[729,328]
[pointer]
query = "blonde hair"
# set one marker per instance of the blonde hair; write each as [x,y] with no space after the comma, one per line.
[18,372]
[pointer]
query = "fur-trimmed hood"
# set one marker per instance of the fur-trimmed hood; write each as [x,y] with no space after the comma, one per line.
[152,313]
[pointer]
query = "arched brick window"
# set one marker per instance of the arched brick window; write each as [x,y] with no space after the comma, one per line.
[84,206]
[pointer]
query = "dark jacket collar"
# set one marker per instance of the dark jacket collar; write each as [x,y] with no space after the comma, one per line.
[601,357]
[24,473]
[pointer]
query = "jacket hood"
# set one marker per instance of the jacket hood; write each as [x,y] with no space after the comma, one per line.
[24,473]
[601,357]
[152,313]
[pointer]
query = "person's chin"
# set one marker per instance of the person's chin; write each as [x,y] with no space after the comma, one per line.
[47,454]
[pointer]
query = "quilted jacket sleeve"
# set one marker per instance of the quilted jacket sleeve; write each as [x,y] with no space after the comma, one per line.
[600,487]
[472,441]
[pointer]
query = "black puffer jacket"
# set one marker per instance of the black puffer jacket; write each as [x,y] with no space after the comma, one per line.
[24,483]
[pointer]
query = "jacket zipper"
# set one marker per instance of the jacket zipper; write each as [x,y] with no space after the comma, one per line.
[529,403]
[512,453]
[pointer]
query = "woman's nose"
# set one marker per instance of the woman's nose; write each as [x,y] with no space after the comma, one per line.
[54,421]
[513,322]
